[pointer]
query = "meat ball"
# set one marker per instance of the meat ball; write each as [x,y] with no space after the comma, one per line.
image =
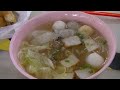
[73,25]
[86,30]
[66,33]
[58,25]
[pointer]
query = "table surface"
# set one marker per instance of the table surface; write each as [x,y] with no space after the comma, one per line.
[8,71]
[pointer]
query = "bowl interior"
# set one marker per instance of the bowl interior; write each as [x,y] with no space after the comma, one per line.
[90,20]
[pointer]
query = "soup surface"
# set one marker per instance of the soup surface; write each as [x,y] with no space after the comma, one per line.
[63,50]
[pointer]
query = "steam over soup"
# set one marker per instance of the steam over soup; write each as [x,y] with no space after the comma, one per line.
[63,50]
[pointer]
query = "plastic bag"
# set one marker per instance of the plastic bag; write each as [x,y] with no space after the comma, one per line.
[8,31]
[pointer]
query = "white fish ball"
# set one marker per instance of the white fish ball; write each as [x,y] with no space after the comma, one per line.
[95,60]
[58,25]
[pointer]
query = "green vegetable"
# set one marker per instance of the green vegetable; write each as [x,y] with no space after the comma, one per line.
[31,69]
[64,76]
[60,69]
[44,73]
[102,43]
[67,53]
[93,70]
[101,40]
[36,63]
[80,36]
[67,61]
[85,66]
[57,54]
[32,57]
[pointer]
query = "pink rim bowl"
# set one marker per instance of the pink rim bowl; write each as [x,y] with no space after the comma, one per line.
[93,21]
